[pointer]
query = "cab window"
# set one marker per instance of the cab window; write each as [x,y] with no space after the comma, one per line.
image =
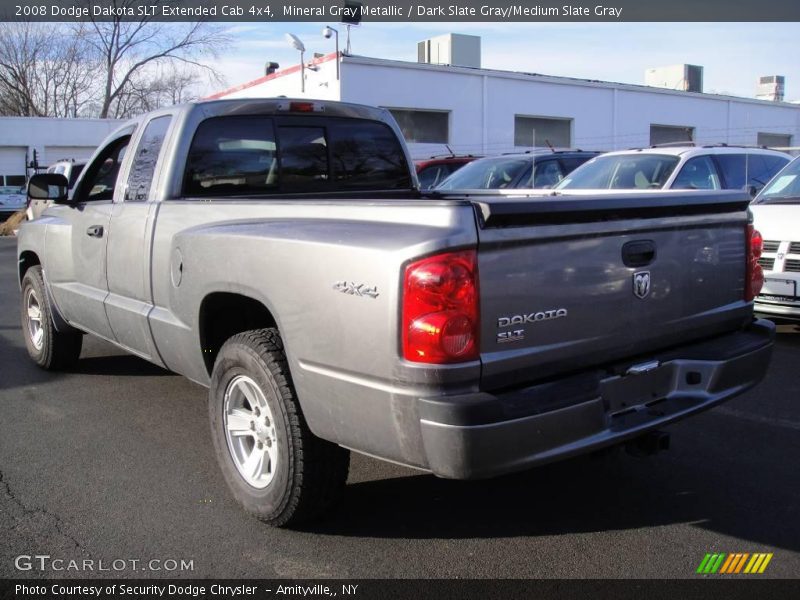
[144,162]
[251,155]
[103,173]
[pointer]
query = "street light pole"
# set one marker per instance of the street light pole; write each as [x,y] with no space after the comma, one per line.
[295,43]
[326,33]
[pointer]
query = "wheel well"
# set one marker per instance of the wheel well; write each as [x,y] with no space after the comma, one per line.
[223,315]
[27,260]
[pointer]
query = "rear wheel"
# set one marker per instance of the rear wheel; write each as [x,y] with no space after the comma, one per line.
[49,348]
[276,468]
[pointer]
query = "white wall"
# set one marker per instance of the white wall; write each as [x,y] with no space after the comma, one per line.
[604,116]
[39,133]
[482,105]
[404,88]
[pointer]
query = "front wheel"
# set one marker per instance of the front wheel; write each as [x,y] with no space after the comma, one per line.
[276,468]
[49,348]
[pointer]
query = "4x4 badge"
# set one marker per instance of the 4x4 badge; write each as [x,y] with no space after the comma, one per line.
[641,284]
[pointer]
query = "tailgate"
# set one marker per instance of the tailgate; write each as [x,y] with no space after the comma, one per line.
[567,283]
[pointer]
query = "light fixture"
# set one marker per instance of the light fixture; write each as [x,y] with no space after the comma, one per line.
[298,45]
[327,32]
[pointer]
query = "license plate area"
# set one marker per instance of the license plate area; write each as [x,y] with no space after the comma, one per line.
[634,391]
[780,288]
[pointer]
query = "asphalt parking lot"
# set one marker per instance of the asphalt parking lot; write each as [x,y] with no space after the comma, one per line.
[115,462]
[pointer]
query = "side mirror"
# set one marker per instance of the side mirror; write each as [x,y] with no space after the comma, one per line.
[752,190]
[48,186]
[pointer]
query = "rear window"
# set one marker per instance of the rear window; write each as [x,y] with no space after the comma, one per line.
[367,154]
[251,155]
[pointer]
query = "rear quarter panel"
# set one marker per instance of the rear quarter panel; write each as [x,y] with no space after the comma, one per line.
[343,349]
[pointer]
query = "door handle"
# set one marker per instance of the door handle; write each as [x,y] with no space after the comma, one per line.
[639,253]
[95,231]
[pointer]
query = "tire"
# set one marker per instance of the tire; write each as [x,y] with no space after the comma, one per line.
[49,348]
[294,476]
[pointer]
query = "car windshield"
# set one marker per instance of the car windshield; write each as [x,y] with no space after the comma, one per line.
[622,172]
[487,173]
[784,187]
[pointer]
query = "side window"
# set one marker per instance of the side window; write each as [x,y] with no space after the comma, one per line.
[733,169]
[144,162]
[367,154]
[547,174]
[101,174]
[232,156]
[697,174]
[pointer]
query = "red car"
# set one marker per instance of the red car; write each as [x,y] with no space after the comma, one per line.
[432,171]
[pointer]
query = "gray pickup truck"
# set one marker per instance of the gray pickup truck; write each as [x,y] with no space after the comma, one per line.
[279,253]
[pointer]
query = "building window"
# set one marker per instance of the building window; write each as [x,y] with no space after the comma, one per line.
[13,180]
[774,140]
[532,132]
[670,134]
[423,126]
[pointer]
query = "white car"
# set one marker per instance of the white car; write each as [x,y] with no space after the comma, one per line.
[12,199]
[776,214]
[678,167]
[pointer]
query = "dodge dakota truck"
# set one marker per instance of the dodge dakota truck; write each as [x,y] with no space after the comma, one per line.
[280,253]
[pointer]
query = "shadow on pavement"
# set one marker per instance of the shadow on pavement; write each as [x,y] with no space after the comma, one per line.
[583,495]
[20,371]
[123,365]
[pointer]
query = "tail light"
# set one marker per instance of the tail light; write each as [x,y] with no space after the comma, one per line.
[440,309]
[754,274]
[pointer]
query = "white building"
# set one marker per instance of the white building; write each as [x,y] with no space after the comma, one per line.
[52,139]
[485,111]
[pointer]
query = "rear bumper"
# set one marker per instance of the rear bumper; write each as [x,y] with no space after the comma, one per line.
[482,434]
[778,311]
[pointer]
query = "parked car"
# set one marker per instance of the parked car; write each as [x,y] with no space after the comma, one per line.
[432,171]
[71,169]
[278,252]
[679,168]
[12,199]
[776,212]
[516,171]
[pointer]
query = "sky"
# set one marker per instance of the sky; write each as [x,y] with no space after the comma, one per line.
[733,55]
